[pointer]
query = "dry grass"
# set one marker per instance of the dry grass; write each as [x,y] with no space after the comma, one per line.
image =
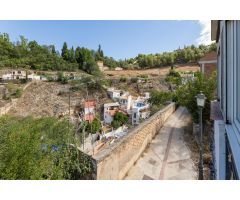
[150,72]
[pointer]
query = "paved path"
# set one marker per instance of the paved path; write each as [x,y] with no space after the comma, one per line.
[168,156]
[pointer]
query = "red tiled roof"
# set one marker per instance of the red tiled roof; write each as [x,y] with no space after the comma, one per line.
[209,56]
[113,112]
[90,103]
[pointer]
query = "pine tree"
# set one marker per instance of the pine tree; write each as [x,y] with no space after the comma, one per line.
[65,51]
[71,56]
[100,51]
[53,49]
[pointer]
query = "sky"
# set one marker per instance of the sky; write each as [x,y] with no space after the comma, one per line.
[118,39]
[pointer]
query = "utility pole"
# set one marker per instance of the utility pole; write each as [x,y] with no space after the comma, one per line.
[200,102]
[69,106]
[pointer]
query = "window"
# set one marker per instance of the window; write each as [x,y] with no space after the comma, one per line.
[238,71]
[229,71]
[237,79]
[222,71]
[231,172]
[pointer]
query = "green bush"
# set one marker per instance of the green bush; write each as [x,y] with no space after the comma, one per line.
[174,77]
[116,124]
[145,76]
[159,97]
[134,80]
[174,73]
[33,149]
[186,94]
[49,78]
[93,127]
[119,119]
[123,79]
[18,93]
[61,78]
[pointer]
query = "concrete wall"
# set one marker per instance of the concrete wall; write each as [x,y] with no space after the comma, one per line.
[115,161]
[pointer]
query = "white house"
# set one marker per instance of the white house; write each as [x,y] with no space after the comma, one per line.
[118,68]
[15,74]
[7,76]
[140,111]
[226,110]
[116,94]
[36,77]
[113,94]
[126,102]
[110,110]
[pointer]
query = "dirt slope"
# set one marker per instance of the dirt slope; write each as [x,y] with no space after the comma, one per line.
[42,99]
[150,72]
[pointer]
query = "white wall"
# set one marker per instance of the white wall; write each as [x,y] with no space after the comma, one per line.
[220,149]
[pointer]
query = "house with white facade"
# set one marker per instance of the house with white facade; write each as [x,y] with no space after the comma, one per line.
[118,69]
[116,94]
[15,74]
[126,102]
[140,111]
[110,110]
[36,77]
[225,111]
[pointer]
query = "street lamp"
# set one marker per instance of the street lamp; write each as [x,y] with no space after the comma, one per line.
[200,102]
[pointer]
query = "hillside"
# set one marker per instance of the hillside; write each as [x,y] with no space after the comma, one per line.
[154,72]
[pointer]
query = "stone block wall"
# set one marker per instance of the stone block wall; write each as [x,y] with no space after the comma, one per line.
[115,161]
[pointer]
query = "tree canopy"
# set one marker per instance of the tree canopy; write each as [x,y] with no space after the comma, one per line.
[39,149]
[24,53]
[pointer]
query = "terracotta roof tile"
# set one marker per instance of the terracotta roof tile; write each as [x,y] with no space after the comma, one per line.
[209,56]
[90,103]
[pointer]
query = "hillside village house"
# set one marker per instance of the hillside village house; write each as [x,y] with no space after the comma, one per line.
[101,66]
[110,110]
[21,74]
[208,63]
[89,110]
[15,74]
[226,111]
[140,110]
[118,68]
[126,102]
[116,94]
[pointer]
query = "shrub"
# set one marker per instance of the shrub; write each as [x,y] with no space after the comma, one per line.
[23,80]
[115,124]
[134,80]
[186,94]
[119,119]
[61,78]
[93,127]
[64,80]
[159,97]
[123,79]
[173,72]
[49,78]
[145,76]
[174,77]
[18,93]
[39,149]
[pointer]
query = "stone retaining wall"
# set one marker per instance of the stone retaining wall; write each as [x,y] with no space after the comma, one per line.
[115,161]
